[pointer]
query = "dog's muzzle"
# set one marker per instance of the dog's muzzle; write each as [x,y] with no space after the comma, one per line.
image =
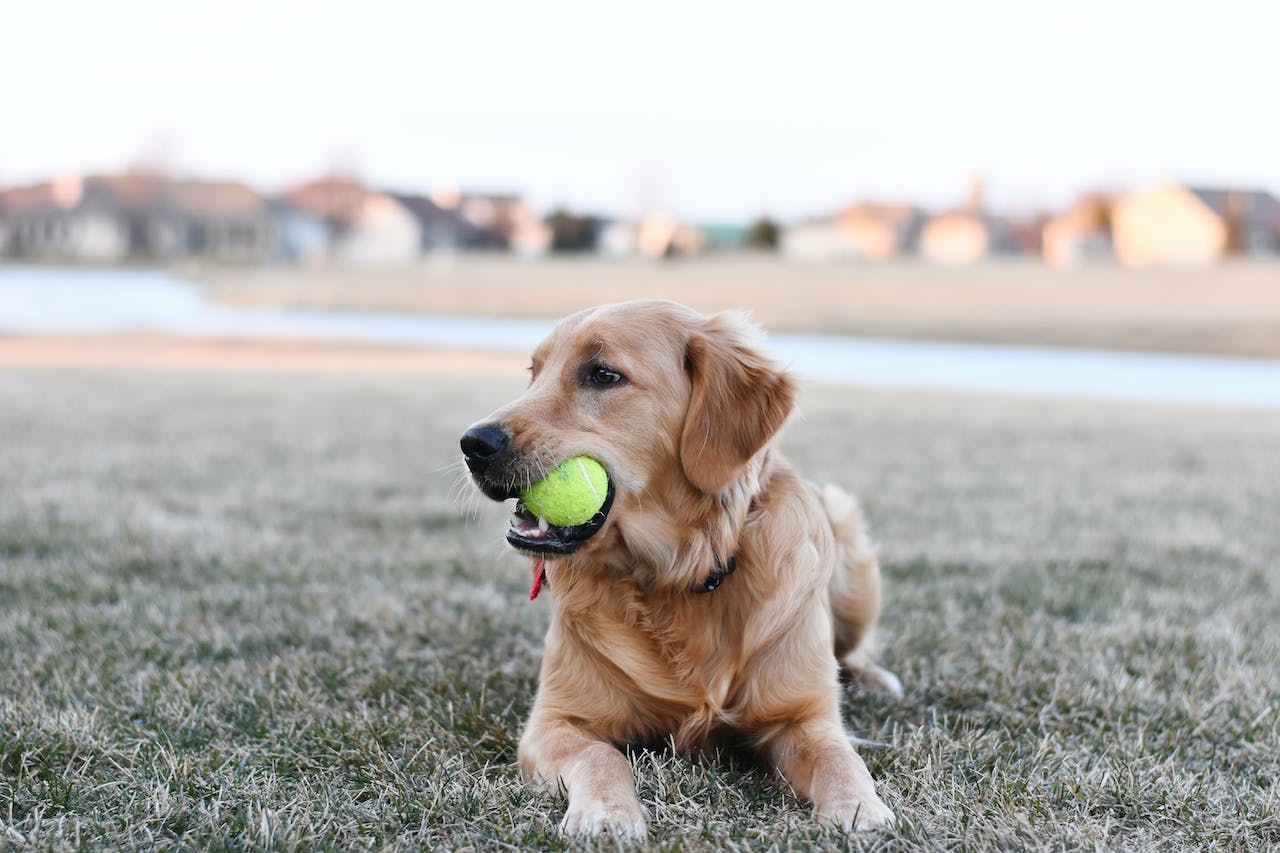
[538,536]
[486,449]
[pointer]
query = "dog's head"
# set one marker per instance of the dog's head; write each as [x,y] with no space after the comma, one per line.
[674,404]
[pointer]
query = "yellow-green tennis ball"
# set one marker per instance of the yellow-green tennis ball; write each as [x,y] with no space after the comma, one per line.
[571,494]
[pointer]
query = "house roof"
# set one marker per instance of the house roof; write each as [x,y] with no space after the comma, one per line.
[27,199]
[449,223]
[893,213]
[128,192]
[328,198]
[132,190]
[426,211]
[215,198]
[134,193]
[492,198]
[1090,212]
[1253,206]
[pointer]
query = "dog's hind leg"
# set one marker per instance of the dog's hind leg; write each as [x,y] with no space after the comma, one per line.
[855,595]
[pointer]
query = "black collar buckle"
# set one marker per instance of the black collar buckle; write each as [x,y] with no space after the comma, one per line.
[718,574]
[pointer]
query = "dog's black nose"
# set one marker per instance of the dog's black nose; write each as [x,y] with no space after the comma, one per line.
[483,442]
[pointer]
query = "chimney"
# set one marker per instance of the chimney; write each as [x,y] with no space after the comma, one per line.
[975,193]
[1234,215]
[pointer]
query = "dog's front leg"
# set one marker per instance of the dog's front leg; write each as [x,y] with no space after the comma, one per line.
[816,758]
[596,776]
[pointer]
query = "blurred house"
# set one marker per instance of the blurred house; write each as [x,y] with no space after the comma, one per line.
[442,229]
[446,228]
[968,235]
[302,238]
[817,240]
[724,236]
[656,235]
[964,237]
[110,218]
[955,238]
[383,232]
[1026,231]
[504,221]
[576,233]
[687,241]
[1252,217]
[661,235]
[1081,234]
[881,232]
[371,228]
[864,231]
[333,200]
[71,220]
[618,239]
[218,221]
[365,227]
[1175,225]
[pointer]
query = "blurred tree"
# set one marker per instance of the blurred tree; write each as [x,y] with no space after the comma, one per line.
[570,233]
[763,234]
[1095,208]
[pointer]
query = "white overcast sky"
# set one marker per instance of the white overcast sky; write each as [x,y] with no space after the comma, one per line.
[716,110]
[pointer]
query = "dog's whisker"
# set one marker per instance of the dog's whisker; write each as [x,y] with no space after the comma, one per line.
[540,462]
[452,464]
[460,490]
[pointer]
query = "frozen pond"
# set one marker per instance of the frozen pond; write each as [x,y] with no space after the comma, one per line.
[34,299]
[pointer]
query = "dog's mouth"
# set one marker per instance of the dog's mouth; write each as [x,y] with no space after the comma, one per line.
[536,535]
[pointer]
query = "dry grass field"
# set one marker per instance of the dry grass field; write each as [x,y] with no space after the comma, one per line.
[248,610]
[1231,309]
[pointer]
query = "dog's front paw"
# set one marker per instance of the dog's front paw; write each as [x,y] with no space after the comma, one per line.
[867,813]
[597,817]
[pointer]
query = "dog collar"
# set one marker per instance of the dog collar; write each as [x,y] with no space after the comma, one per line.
[718,574]
[712,582]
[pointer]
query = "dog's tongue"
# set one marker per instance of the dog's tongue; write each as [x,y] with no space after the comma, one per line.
[539,578]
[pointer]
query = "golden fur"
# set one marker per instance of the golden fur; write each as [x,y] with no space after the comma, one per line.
[635,653]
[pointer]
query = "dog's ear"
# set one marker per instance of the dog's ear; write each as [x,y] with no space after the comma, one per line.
[740,399]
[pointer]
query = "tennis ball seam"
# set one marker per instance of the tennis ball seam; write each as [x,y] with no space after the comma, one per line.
[567,496]
[586,475]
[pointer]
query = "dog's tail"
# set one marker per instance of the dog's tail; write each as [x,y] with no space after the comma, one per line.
[855,593]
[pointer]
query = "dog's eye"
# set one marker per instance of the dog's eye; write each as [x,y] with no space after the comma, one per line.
[601,375]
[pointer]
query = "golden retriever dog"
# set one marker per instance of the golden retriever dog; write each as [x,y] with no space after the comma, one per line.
[715,597]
